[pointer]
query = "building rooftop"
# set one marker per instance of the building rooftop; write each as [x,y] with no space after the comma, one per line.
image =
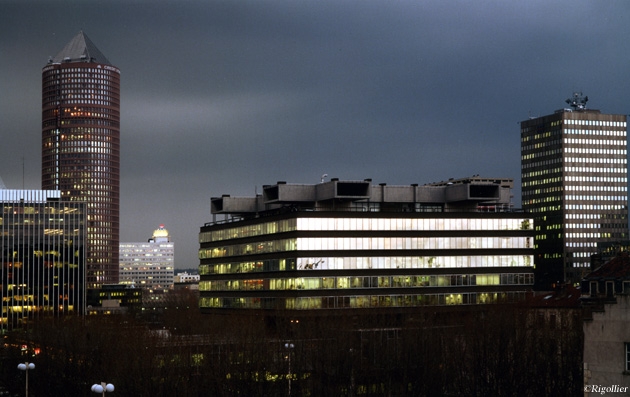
[80,49]
[616,268]
[466,194]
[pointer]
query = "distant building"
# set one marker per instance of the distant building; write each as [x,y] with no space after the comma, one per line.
[114,299]
[574,183]
[186,278]
[42,243]
[352,245]
[81,146]
[606,298]
[149,265]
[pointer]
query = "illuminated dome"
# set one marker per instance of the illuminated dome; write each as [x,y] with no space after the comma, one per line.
[160,234]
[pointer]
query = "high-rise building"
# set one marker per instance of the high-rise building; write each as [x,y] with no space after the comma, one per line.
[574,184]
[350,245]
[81,146]
[149,265]
[42,254]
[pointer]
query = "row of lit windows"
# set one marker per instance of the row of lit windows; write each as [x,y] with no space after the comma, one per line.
[86,91]
[582,226]
[88,98]
[573,131]
[365,243]
[87,150]
[366,224]
[582,244]
[597,216]
[595,160]
[540,173]
[599,188]
[600,123]
[314,283]
[543,181]
[583,235]
[366,301]
[597,178]
[596,207]
[91,102]
[107,71]
[606,170]
[591,143]
[81,145]
[547,162]
[577,197]
[545,191]
[85,111]
[373,262]
[97,119]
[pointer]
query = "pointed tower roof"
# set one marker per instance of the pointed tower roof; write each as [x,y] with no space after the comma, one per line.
[80,49]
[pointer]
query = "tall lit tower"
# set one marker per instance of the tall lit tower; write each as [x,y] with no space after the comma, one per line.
[574,182]
[81,146]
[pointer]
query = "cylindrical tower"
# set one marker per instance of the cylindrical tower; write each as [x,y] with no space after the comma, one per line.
[81,146]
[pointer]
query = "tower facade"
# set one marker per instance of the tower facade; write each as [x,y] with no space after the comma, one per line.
[574,183]
[149,265]
[81,146]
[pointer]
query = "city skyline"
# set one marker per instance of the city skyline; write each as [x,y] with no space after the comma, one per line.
[218,97]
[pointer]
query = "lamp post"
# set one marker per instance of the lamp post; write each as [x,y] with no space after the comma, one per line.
[102,388]
[290,347]
[25,367]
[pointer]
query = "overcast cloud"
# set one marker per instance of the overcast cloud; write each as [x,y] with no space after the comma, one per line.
[222,97]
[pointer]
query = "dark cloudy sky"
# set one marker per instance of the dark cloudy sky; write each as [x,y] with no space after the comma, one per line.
[222,97]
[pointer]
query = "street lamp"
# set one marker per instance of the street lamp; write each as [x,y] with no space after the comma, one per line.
[102,388]
[289,346]
[25,367]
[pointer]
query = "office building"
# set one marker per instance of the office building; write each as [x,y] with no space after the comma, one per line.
[42,243]
[114,299]
[574,184]
[81,146]
[149,265]
[352,245]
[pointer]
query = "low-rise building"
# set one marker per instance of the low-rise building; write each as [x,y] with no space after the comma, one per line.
[353,245]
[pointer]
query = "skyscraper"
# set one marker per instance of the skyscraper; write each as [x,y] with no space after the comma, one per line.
[81,146]
[574,182]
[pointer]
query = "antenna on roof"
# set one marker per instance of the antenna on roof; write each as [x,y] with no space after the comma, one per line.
[577,101]
[324,176]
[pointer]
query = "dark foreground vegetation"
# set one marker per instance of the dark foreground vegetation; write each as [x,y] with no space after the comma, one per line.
[493,351]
